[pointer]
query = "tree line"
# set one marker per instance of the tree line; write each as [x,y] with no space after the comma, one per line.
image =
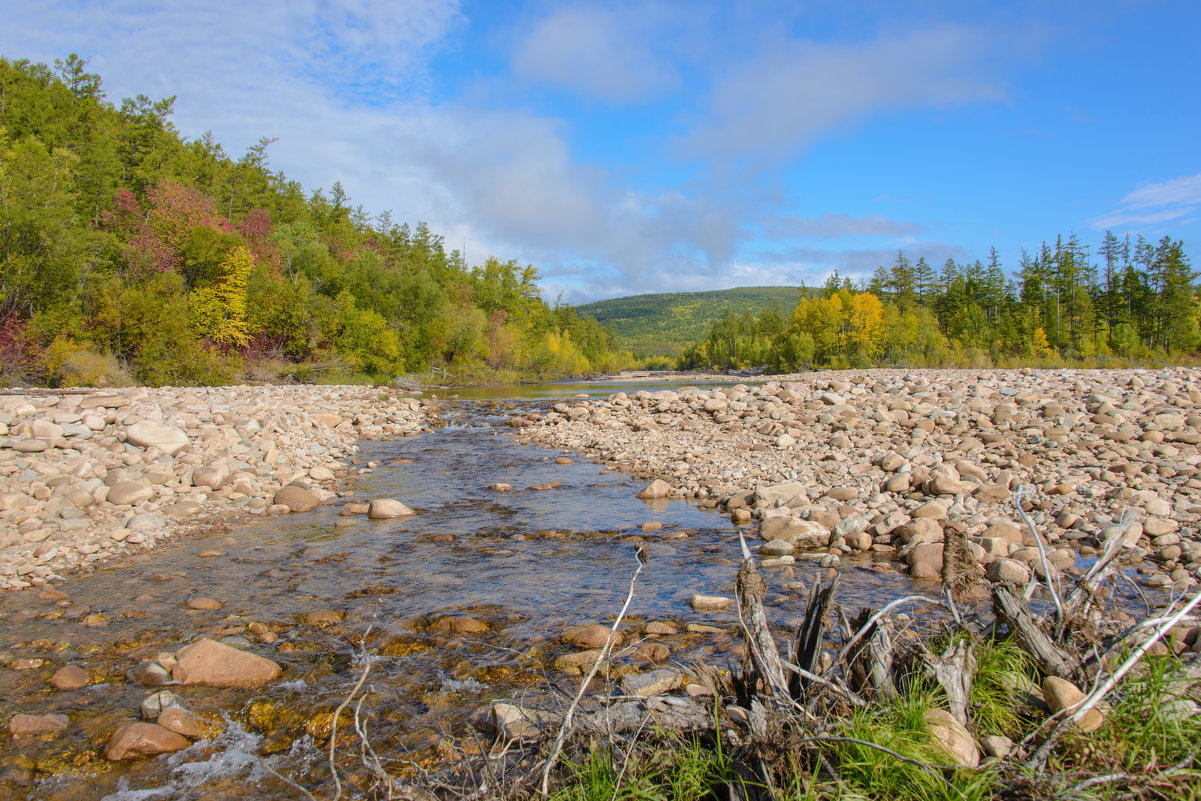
[130,253]
[1134,302]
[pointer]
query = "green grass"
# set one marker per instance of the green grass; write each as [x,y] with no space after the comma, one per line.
[664,324]
[676,771]
[901,727]
[1141,731]
[1002,668]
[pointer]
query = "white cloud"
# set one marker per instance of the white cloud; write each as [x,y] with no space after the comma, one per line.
[797,91]
[345,87]
[1154,203]
[598,52]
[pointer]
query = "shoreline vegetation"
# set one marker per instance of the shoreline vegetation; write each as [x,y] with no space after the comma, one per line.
[1140,306]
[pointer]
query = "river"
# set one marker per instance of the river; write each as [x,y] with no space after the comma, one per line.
[529,564]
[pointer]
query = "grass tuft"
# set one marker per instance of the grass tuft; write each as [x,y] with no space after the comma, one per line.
[1002,668]
[676,770]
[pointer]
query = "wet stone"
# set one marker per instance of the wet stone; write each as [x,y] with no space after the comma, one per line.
[70,677]
[142,739]
[35,725]
[655,682]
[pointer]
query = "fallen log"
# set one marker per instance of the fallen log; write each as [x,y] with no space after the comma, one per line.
[1026,632]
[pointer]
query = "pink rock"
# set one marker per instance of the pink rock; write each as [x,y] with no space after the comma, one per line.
[142,739]
[216,665]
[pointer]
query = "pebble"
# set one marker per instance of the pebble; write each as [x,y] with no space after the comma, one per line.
[710,603]
[70,677]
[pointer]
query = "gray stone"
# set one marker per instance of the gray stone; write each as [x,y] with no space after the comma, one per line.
[655,682]
[148,434]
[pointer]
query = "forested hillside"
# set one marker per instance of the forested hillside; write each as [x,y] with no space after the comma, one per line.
[666,323]
[128,253]
[1136,302]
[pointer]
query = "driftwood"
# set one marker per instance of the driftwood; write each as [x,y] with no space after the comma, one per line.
[763,655]
[869,660]
[959,565]
[809,636]
[954,670]
[1050,658]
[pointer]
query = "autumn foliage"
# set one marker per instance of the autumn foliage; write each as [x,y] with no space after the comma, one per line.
[128,253]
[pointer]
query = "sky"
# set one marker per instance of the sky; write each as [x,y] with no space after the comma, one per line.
[632,147]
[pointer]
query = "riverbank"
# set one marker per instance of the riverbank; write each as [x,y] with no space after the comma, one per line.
[888,460]
[90,475]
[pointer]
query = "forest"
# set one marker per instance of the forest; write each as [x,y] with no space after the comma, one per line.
[129,253]
[665,323]
[1135,303]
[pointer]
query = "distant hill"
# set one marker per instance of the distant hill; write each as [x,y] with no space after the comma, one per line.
[666,323]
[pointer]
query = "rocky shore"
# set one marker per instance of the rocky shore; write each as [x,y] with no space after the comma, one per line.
[89,475]
[890,461]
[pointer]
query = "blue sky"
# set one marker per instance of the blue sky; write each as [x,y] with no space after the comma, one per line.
[654,146]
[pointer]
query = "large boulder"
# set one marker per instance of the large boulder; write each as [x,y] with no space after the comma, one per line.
[802,535]
[386,508]
[656,489]
[147,434]
[297,499]
[142,739]
[214,664]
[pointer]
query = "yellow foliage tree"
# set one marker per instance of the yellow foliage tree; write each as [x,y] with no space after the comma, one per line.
[1042,347]
[867,325]
[821,319]
[219,309]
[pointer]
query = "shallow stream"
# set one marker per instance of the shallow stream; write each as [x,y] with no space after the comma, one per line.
[529,564]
